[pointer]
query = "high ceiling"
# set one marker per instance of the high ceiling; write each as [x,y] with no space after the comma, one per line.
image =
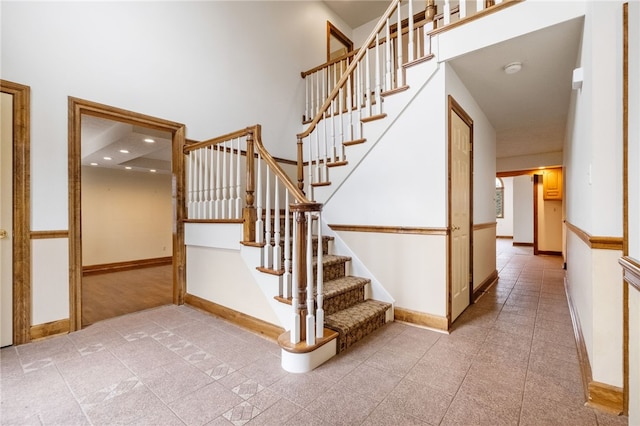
[528,110]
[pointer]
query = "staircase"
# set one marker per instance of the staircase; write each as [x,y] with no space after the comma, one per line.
[348,310]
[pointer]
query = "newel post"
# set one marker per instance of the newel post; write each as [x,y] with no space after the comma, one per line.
[430,10]
[300,165]
[249,211]
[299,272]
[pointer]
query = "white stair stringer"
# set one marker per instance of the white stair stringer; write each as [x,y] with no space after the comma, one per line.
[374,290]
[418,76]
[268,284]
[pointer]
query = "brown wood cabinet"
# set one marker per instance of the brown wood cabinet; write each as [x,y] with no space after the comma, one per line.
[552,184]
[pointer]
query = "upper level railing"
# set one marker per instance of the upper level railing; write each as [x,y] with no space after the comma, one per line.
[343,93]
[233,178]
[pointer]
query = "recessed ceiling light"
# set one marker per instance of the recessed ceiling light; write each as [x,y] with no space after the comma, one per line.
[124,151]
[513,67]
[149,140]
[94,164]
[152,170]
[106,158]
[128,168]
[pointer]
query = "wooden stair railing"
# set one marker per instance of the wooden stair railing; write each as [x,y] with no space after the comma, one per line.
[348,91]
[214,194]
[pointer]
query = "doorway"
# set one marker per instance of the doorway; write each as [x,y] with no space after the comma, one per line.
[15,246]
[79,109]
[460,209]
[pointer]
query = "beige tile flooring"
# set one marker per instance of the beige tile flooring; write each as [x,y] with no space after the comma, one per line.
[511,359]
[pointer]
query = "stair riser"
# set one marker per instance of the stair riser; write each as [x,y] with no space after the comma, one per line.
[346,340]
[330,272]
[343,301]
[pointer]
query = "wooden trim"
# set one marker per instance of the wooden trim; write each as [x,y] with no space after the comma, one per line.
[332,30]
[525,172]
[478,15]
[240,319]
[43,235]
[625,202]
[517,244]
[421,318]
[597,395]
[550,253]
[596,242]
[581,347]
[631,271]
[605,397]
[506,237]
[284,340]
[126,265]
[536,187]
[390,229]
[479,226]
[373,118]
[76,108]
[488,282]
[21,209]
[49,329]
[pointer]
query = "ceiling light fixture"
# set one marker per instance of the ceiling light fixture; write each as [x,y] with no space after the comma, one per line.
[124,151]
[106,158]
[513,67]
[149,140]
[94,164]
[128,167]
[152,170]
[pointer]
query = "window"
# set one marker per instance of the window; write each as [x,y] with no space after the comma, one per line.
[499,198]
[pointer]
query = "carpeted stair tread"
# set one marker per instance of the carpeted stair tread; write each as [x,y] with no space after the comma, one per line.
[357,321]
[342,285]
[350,318]
[331,259]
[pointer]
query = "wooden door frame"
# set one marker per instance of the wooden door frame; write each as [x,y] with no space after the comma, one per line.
[455,108]
[536,182]
[21,210]
[78,107]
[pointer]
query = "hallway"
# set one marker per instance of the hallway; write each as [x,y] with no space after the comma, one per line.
[511,359]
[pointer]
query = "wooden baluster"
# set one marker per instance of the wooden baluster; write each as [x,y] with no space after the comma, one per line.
[377,97]
[387,47]
[307,83]
[310,319]
[286,278]
[259,221]
[238,183]
[367,82]
[341,119]
[480,5]
[311,167]
[232,183]
[267,250]
[200,185]
[332,117]
[212,182]
[319,282]
[400,74]
[298,303]
[249,211]
[359,99]
[447,12]
[300,170]
[224,180]
[350,106]
[190,174]
[410,44]
[462,9]
[218,183]
[277,250]
[489,3]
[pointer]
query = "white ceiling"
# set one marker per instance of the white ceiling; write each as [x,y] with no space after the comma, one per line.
[528,110]
[105,138]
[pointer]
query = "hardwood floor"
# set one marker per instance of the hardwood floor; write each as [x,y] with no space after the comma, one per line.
[113,294]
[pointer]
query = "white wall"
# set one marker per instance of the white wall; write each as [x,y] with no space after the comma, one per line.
[505,224]
[523,209]
[593,196]
[126,215]
[214,66]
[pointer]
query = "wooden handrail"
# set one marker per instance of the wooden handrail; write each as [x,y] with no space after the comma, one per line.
[275,167]
[348,71]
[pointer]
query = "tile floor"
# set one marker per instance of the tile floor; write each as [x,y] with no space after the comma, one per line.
[511,359]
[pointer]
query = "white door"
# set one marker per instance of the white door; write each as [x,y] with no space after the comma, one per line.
[460,214]
[6,219]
